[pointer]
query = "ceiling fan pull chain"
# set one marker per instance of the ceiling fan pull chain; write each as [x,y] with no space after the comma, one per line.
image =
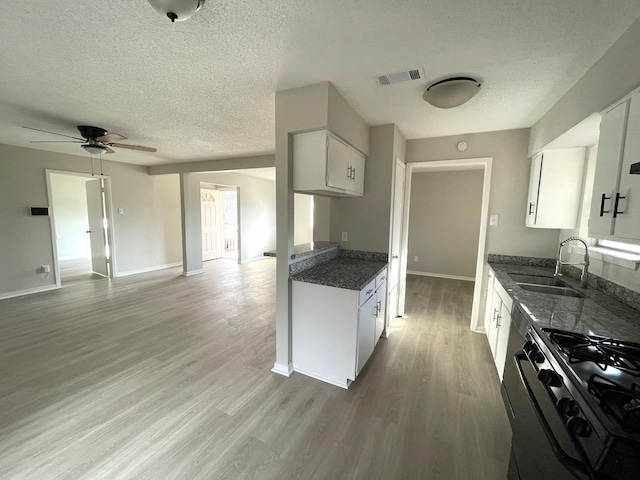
[91,159]
[101,172]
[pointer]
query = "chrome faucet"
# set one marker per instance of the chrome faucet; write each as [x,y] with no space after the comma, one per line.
[584,263]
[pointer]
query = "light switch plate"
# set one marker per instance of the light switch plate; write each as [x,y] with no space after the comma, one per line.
[493,220]
[120,211]
[345,236]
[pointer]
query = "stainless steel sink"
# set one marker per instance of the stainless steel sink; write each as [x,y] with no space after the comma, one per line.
[537,280]
[551,290]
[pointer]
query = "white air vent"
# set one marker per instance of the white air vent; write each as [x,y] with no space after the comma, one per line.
[392,78]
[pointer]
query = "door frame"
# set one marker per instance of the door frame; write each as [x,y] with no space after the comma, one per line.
[108,213]
[484,163]
[219,220]
[390,317]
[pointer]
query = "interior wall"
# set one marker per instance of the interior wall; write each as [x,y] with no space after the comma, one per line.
[69,202]
[26,242]
[509,186]
[303,219]
[444,222]
[613,76]
[257,203]
[366,219]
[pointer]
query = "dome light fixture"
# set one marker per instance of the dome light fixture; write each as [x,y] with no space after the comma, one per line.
[179,10]
[451,92]
[94,148]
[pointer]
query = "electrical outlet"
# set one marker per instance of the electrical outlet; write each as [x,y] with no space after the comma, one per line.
[345,236]
[45,269]
[493,220]
[415,258]
[120,211]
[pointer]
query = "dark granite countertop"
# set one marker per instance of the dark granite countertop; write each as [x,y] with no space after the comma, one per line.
[307,249]
[598,314]
[342,272]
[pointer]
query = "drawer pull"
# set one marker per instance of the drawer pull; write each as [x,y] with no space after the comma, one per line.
[615,206]
[603,199]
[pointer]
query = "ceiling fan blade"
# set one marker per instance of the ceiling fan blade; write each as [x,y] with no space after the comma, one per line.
[133,147]
[53,133]
[111,137]
[108,150]
[56,141]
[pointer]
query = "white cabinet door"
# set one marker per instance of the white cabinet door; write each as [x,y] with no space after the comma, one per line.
[492,334]
[606,181]
[488,309]
[338,164]
[504,326]
[381,301]
[534,187]
[626,202]
[366,331]
[357,172]
[555,188]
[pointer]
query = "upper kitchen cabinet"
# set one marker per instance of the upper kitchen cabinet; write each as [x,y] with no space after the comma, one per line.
[615,204]
[325,165]
[555,188]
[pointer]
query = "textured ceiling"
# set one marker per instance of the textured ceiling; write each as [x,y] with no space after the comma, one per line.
[205,88]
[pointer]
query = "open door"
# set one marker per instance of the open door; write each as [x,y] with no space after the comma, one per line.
[97,234]
[396,241]
[211,211]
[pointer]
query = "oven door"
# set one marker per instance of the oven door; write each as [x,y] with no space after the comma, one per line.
[542,447]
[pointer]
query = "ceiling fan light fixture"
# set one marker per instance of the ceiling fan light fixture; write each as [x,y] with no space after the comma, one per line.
[94,149]
[451,92]
[176,10]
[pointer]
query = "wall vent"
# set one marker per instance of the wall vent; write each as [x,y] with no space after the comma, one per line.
[398,77]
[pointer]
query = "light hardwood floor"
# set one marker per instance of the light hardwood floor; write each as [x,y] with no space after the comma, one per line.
[158,376]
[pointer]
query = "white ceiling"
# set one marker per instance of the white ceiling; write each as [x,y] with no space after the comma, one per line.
[205,88]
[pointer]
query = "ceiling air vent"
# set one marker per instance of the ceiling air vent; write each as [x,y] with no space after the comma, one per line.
[393,78]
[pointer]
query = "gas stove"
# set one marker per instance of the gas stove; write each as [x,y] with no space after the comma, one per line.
[594,382]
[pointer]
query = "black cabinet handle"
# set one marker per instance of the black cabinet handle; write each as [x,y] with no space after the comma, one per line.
[531,208]
[603,199]
[615,206]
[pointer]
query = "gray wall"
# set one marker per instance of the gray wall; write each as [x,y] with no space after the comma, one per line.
[146,235]
[257,211]
[367,218]
[303,224]
[69,201]
[444,222]
[509,186]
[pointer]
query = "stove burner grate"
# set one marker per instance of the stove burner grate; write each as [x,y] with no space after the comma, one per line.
[620,402]
[602,351]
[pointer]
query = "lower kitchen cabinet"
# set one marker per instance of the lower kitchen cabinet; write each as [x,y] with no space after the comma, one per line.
[497,320]
[335,330]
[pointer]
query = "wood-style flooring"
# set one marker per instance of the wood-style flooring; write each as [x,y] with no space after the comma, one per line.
[158,376]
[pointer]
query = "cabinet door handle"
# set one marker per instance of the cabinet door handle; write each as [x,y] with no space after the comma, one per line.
[349,172]
[498,318]
[531,205]
[603,199]
[369,292]
[495,314]
[615,206]
[354,174]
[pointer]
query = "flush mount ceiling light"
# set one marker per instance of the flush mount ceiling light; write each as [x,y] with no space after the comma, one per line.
[179,10]
[451,92]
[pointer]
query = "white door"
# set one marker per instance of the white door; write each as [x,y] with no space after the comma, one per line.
[396,240]
[96,217]
[338,164]
[211,213]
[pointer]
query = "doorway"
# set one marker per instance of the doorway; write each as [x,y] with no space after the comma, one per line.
[81,226]
[443,166]
[219,217]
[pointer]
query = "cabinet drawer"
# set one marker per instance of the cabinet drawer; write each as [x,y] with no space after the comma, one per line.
[381,278]
[366,292]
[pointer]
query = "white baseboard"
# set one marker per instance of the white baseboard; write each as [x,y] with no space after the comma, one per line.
[261,257]
[441,275]
[281,369]
[344,385]
[28,291]
[148,269]
[190,273]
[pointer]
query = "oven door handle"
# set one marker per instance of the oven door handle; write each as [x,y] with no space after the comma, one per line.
[579,469]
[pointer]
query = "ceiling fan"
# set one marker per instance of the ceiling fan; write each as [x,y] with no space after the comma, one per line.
[95,140]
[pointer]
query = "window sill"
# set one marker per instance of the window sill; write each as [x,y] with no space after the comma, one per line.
[611,256]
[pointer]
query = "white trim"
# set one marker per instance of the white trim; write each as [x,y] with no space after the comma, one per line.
[281,369]
[192,272]
[609,255]
[148,269]
[261,257]
[28,291]
[465,164]
[441,275]
[344,385]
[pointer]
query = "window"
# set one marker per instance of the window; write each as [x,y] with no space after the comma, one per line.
[622,247]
